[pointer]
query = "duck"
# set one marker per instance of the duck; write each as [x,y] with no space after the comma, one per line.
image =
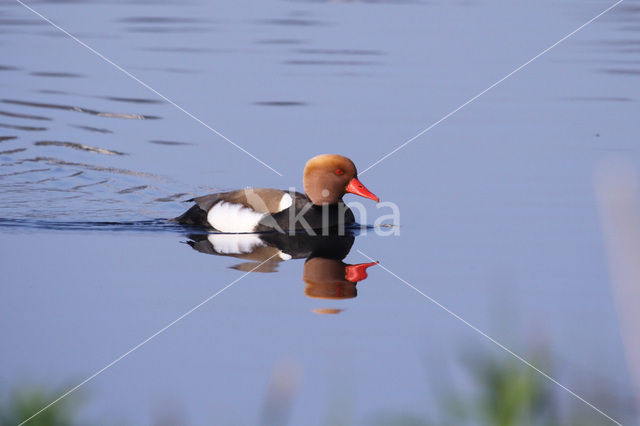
[326,178]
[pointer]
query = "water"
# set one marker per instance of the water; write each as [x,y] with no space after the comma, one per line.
[498,213]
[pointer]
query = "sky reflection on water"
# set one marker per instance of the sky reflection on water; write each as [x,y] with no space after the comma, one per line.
[498,213]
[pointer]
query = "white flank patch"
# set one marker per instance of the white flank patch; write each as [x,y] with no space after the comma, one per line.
[227,217]
[284,256]
[285,202]
[235,243]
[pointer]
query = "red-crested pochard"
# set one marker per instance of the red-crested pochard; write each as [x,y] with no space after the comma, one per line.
[326,179]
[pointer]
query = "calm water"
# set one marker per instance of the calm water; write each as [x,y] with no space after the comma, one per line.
[498,213]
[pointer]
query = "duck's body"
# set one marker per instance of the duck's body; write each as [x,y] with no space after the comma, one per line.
[261,210]
[326,179]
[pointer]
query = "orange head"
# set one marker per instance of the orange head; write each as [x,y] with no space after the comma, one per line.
[327,177]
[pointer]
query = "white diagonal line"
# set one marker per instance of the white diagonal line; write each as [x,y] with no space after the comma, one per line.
[407,142]
[139,345]
[491,339]
[128,74]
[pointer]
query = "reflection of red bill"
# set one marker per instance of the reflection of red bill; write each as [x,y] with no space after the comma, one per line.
[356,187]
[355,273]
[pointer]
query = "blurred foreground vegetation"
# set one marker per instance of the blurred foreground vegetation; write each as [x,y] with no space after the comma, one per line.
[503,391]
[25,402]
[498,390]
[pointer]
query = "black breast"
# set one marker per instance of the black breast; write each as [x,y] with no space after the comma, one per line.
[304,216]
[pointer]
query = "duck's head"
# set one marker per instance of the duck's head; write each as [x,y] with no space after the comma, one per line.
[328,177]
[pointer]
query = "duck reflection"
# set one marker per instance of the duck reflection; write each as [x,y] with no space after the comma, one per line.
[324,273]
[331,278]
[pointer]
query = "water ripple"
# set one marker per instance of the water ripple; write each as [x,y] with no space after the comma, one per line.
[88,185]
[167,29]
[21,22]
[58,162]
[172,197]
[133,189]
[133,100]
[91,129]
[80,109]
[171,143]
[153,225]
[329,62]
[27,116]
[161,20]
[347,52]
[295,22]
[620,71]
[26,128]
[79,146]
[24,172]
[280,103]
[12,151]
[56,74]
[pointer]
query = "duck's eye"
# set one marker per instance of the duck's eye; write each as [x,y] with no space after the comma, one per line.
[339,171]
